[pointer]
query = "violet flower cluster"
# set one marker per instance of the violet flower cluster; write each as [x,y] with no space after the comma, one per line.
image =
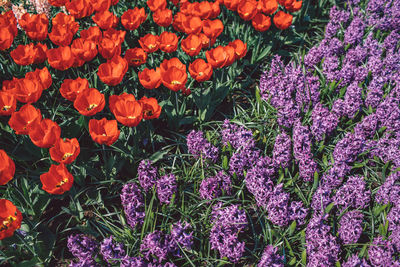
[132,201]
[84,248]
[199,146]
[147,174]
[270,258]
[227,223]
[213,187]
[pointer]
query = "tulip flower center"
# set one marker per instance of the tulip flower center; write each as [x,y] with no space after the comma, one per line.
[201,73]
[91,106]
[174,82]
[66,155]
[63,181]
[131,117]
[7,222]
[151,46]
[148,112]
[192,49]
[5,108]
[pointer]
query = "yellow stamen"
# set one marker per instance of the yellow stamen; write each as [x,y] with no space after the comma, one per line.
[92,106]
[64,181]
[175,82]
[5,108]
[131,117]
[201,73]
[66,155]
[7,222]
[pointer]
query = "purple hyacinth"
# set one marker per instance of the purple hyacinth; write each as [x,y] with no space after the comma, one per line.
[213,187]
[282,150]
[133,262]
[199,146]
[394,218]
[258,180]
[156,244]
[324,122]
[297,212]
[147,174]
[237,136]
[367,126]
[321,198]
[84,263]
[350,228]
[388,113]
[270,258]
[227,223]
[182,234]
[355,261]
[243,159]
[81,246]
[379,252]
[347,149]
[166,187]
[352,99]
[354,33]
[353,194]
[112,252]
[330,67]
[132,201]
[322,248]
[277,206]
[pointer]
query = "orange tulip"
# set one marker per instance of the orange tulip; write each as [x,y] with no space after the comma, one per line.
[109,48]
[217,57]
[267,6]
[173,62]
[113,71]
[174,78]
[89,102]
[155,5]
[24,54]
[168,42]
[79,8]
[215,10]
[282,20]
[192,45]
[132,18]
[240,48]
[20,120]
[8,103]
[6,38]
[149,43]
[40,53]
[83,51]
[65,151]
[247,9]
[92,34]
[230,51]
[150,78]
[213,28]
[205,41]
[60,58]
[105,19]
[63,30]
[7,168]
[232,4]
[163,17]
[101,5]
[35,26]
[57,2]
[57,180]
[28,90]
[9,22]
[104,131]
[261,22]
[126,109]
[192,25]
[70,89]
[11,218]
[151,108]
[202,9]
[200,70]
[293,5]
[135,56]
[43,75]
[44,133]
[117,36]
[179,19]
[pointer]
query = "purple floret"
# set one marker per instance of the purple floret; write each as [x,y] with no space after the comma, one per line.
[132,201]
[147,174]
[270,258]
[199,146]
[282,153]
[350,227]
[82,246]
[166,187]
[112,252]
[353,194]
[355,261]
[213,187]
[277,206]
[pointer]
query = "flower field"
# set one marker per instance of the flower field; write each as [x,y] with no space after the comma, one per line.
[212,133]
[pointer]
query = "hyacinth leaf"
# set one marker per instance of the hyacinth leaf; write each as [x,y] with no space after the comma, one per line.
[292,227]
[292,261]
[379,209]
[304,257]
[329,207]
